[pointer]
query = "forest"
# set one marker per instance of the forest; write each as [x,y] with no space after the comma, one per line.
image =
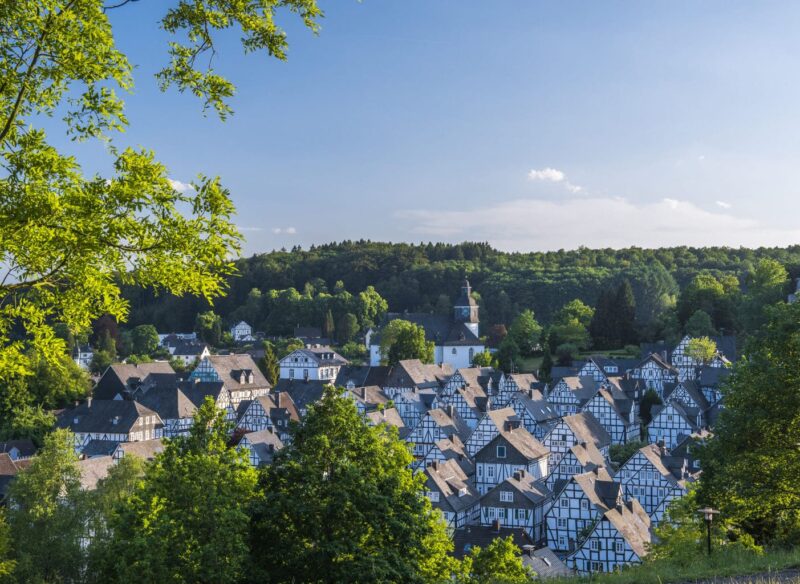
[428,277]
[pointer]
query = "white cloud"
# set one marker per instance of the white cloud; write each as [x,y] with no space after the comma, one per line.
[547,174]
[286,230]
[179,186]
[538,224]
[553,175]
[724,205]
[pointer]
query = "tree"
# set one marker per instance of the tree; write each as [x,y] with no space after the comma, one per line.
[370,307]
[328,327]
[70,240]
[269,365]
[401,340]
[6,563]
[47,514]
[751,467]
[508,355]
[209,327]
[57,386]
[101,360]
[620,453]
[525,332]
[483,359]
[717,297]
[603,328]
[700,325]
[626,313]
[144,339]
[188,520]
[547,364]
[19,416]
[766,285]
[497,563]
[347,328]
[346,506]
[701,349]
[650,399]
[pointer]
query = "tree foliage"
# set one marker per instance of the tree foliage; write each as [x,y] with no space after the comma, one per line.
[497,563]
[346,507]
[701,349]
[269,365]
[188,520]
[525,332]
[401,340]
[751,467]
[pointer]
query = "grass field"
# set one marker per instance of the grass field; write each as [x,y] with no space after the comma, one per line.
[720,567]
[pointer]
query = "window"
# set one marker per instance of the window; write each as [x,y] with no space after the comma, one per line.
[471,354]
[291,373]
[520,514]
[507,496]
[454,351]
[619,547]
[597,566]
[584,504]
[562,522]
[562,542]
[564,502]
[595,545]
[490,471]
[501,451]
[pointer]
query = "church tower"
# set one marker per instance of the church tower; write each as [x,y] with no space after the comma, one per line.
[466,309]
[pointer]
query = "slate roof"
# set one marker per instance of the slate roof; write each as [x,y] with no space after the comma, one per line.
[230,369]
[558,371]
[95,448]
[119,377]
[586,428]
[189,348]
[26,448]
[668,466]
[93,470]
[472,536]
[321,356]
[517,437]
[589,456]
[545,563]
[523,381]
[601,489]
[369,396]
[390,417]
[144,449]
[450,423]
[362,375]
[633,523]
[453,448]
[713,376]
[456,491]
[303,392]
[583,388]
[170,402]
[439,329]
[104,416]
[535,491]
[694,391]
[9,470]
[419,374]
[198,391]
[279,404]
[537,405]
[265,444]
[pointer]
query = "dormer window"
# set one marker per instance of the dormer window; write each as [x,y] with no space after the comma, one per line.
[501,451]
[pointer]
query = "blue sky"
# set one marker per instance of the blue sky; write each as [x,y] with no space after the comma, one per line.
[532,125]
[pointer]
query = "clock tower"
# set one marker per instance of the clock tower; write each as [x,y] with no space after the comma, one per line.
[466,309]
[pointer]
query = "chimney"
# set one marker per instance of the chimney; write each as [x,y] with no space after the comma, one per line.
[89,402]
[496,526]
[451,410]
[519,474]
[434,464]
[662,448]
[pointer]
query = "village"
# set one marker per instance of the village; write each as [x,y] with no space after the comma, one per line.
[503,454]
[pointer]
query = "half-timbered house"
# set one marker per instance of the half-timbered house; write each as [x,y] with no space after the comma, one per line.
[389,417]
[572,430]
[569,394]
[577,505]
[315,363]
[579,459]
[123,379]
[619,538]
[413,405]
[451,491]
[514,383]
[303,393]
[512,449]
[435,425]
[146,449]
[616,413]
[111,420]
[671,423]
[240,374]
[518,501]
[470,377]
[261,446]
[449,449]
[414,375]
[538,415]
[655,372]
[275,411]
[654,478]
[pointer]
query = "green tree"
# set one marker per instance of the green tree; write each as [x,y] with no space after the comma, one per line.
[547,364]
[144,339]
[347,328]
[508,355]
[208,326]
[7,564]
[101,360]
[20,417]
[498,563]
[620,453]
[525,332]
[483,359]
[700,325]
[47,514]
[650,399]
[751,467]
[57,386]
[766,285]
[345,506]
[717,297]
[370,307]
[401,340]
[188,521]
[626,314]
[328,326]
[269,365]
[701,349]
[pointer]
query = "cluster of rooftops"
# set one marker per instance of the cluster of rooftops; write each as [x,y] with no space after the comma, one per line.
[502,454]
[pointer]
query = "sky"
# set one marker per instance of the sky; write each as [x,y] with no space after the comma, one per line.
[531,125]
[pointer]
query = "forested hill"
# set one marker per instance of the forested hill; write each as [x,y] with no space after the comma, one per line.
[427,277]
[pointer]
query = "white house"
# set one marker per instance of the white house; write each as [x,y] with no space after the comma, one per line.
[316,364]
[242,332]
[83,355]
[455,340]
[518,501]
[451,491]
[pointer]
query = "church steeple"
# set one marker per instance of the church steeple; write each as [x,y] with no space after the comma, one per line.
[466,309]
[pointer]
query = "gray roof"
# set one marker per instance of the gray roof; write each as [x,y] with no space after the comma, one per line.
[120,377]
[93,470]
[104,416]
[456,490]
[415,373]
[96,448]
[390,417]
[198,391]
[25,447]
[302,392]
[473,536]
[439,329]
[362,375]
[536,405]
[144,449]
[545,563]
[587,429]
[231,368]
[169,402]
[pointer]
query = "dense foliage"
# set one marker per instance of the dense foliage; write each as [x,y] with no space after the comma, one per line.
[415,277]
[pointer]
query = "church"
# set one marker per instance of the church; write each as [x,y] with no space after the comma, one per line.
[455,339]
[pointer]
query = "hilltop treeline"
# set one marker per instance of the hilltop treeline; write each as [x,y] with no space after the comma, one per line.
[427,277]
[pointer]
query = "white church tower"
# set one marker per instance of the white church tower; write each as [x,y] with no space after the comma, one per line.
[466,309]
